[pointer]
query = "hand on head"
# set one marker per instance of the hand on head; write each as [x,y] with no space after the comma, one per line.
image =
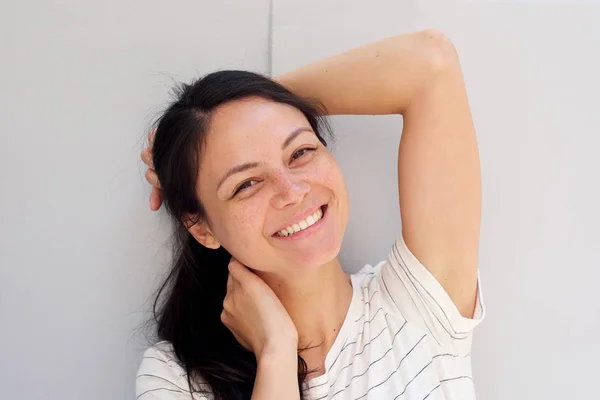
[151,177]
[255,315]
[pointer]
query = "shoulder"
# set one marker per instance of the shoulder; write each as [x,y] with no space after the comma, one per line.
[365,278]
[162,350]
[161,377]
[366,272]
[161,358]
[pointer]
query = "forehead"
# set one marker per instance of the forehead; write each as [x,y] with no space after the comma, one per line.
[242,130]
[252,119]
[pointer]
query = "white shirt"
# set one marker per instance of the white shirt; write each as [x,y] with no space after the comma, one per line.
[402,338]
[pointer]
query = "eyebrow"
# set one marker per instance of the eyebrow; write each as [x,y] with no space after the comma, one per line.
[249,165]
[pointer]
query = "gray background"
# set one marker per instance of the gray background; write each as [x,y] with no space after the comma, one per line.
[81,253]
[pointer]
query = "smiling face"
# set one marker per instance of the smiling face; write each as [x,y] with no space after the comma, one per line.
[263,170]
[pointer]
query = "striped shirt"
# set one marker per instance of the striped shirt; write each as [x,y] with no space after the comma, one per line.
[402,338]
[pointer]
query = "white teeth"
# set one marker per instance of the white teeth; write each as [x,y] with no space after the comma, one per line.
[309,221]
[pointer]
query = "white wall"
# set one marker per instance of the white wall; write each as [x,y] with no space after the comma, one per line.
[532,74]
[80,248]
[80,252]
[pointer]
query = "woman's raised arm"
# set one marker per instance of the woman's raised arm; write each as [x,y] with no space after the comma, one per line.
[419,76]
[377,78]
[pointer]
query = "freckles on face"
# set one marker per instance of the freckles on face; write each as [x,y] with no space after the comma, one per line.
[246,207]
[245,219]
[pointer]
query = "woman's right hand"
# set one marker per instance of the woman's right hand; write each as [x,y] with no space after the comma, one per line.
[255,316]
[151,177]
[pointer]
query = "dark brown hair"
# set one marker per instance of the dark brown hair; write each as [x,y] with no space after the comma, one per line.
[189,303]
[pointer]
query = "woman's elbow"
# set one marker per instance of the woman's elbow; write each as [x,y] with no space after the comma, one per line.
[440,49]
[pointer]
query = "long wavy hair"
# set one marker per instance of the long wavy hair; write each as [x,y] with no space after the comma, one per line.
[188,304]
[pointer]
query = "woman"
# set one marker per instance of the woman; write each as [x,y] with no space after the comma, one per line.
[257,304]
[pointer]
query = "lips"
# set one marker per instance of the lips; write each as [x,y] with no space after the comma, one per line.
[300,219]
[305,233]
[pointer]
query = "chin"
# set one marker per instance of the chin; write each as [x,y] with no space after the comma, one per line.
[319,255]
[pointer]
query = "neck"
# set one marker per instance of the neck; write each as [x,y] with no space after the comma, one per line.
[317,301]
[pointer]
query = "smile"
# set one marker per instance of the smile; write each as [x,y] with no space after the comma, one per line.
[302,226]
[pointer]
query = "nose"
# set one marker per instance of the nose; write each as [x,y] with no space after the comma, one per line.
[291,189]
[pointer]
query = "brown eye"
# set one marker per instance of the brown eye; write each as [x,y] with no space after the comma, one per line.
[302,152]
[243,186]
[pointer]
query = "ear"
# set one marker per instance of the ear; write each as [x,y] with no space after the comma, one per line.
[201,232]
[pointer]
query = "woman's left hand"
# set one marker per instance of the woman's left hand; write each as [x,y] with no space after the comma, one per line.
[255,315]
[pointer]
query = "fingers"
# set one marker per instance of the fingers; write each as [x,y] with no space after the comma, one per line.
[233,284]
[151,136]
[229,283]
[155,199]
[147,157]
[155,196]
[228,304]
[229,298]
[239,271]
[147,152]
[152,178]
[226,319]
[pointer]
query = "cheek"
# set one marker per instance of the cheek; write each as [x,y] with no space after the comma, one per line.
[329,173]
[332,178]
[243,236]
[243,220]
[244,224]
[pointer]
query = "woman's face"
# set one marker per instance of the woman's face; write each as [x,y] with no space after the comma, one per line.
[263,169]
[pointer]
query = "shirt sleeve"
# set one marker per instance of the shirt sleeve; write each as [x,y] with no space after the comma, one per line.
[160,377]
[410,289]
